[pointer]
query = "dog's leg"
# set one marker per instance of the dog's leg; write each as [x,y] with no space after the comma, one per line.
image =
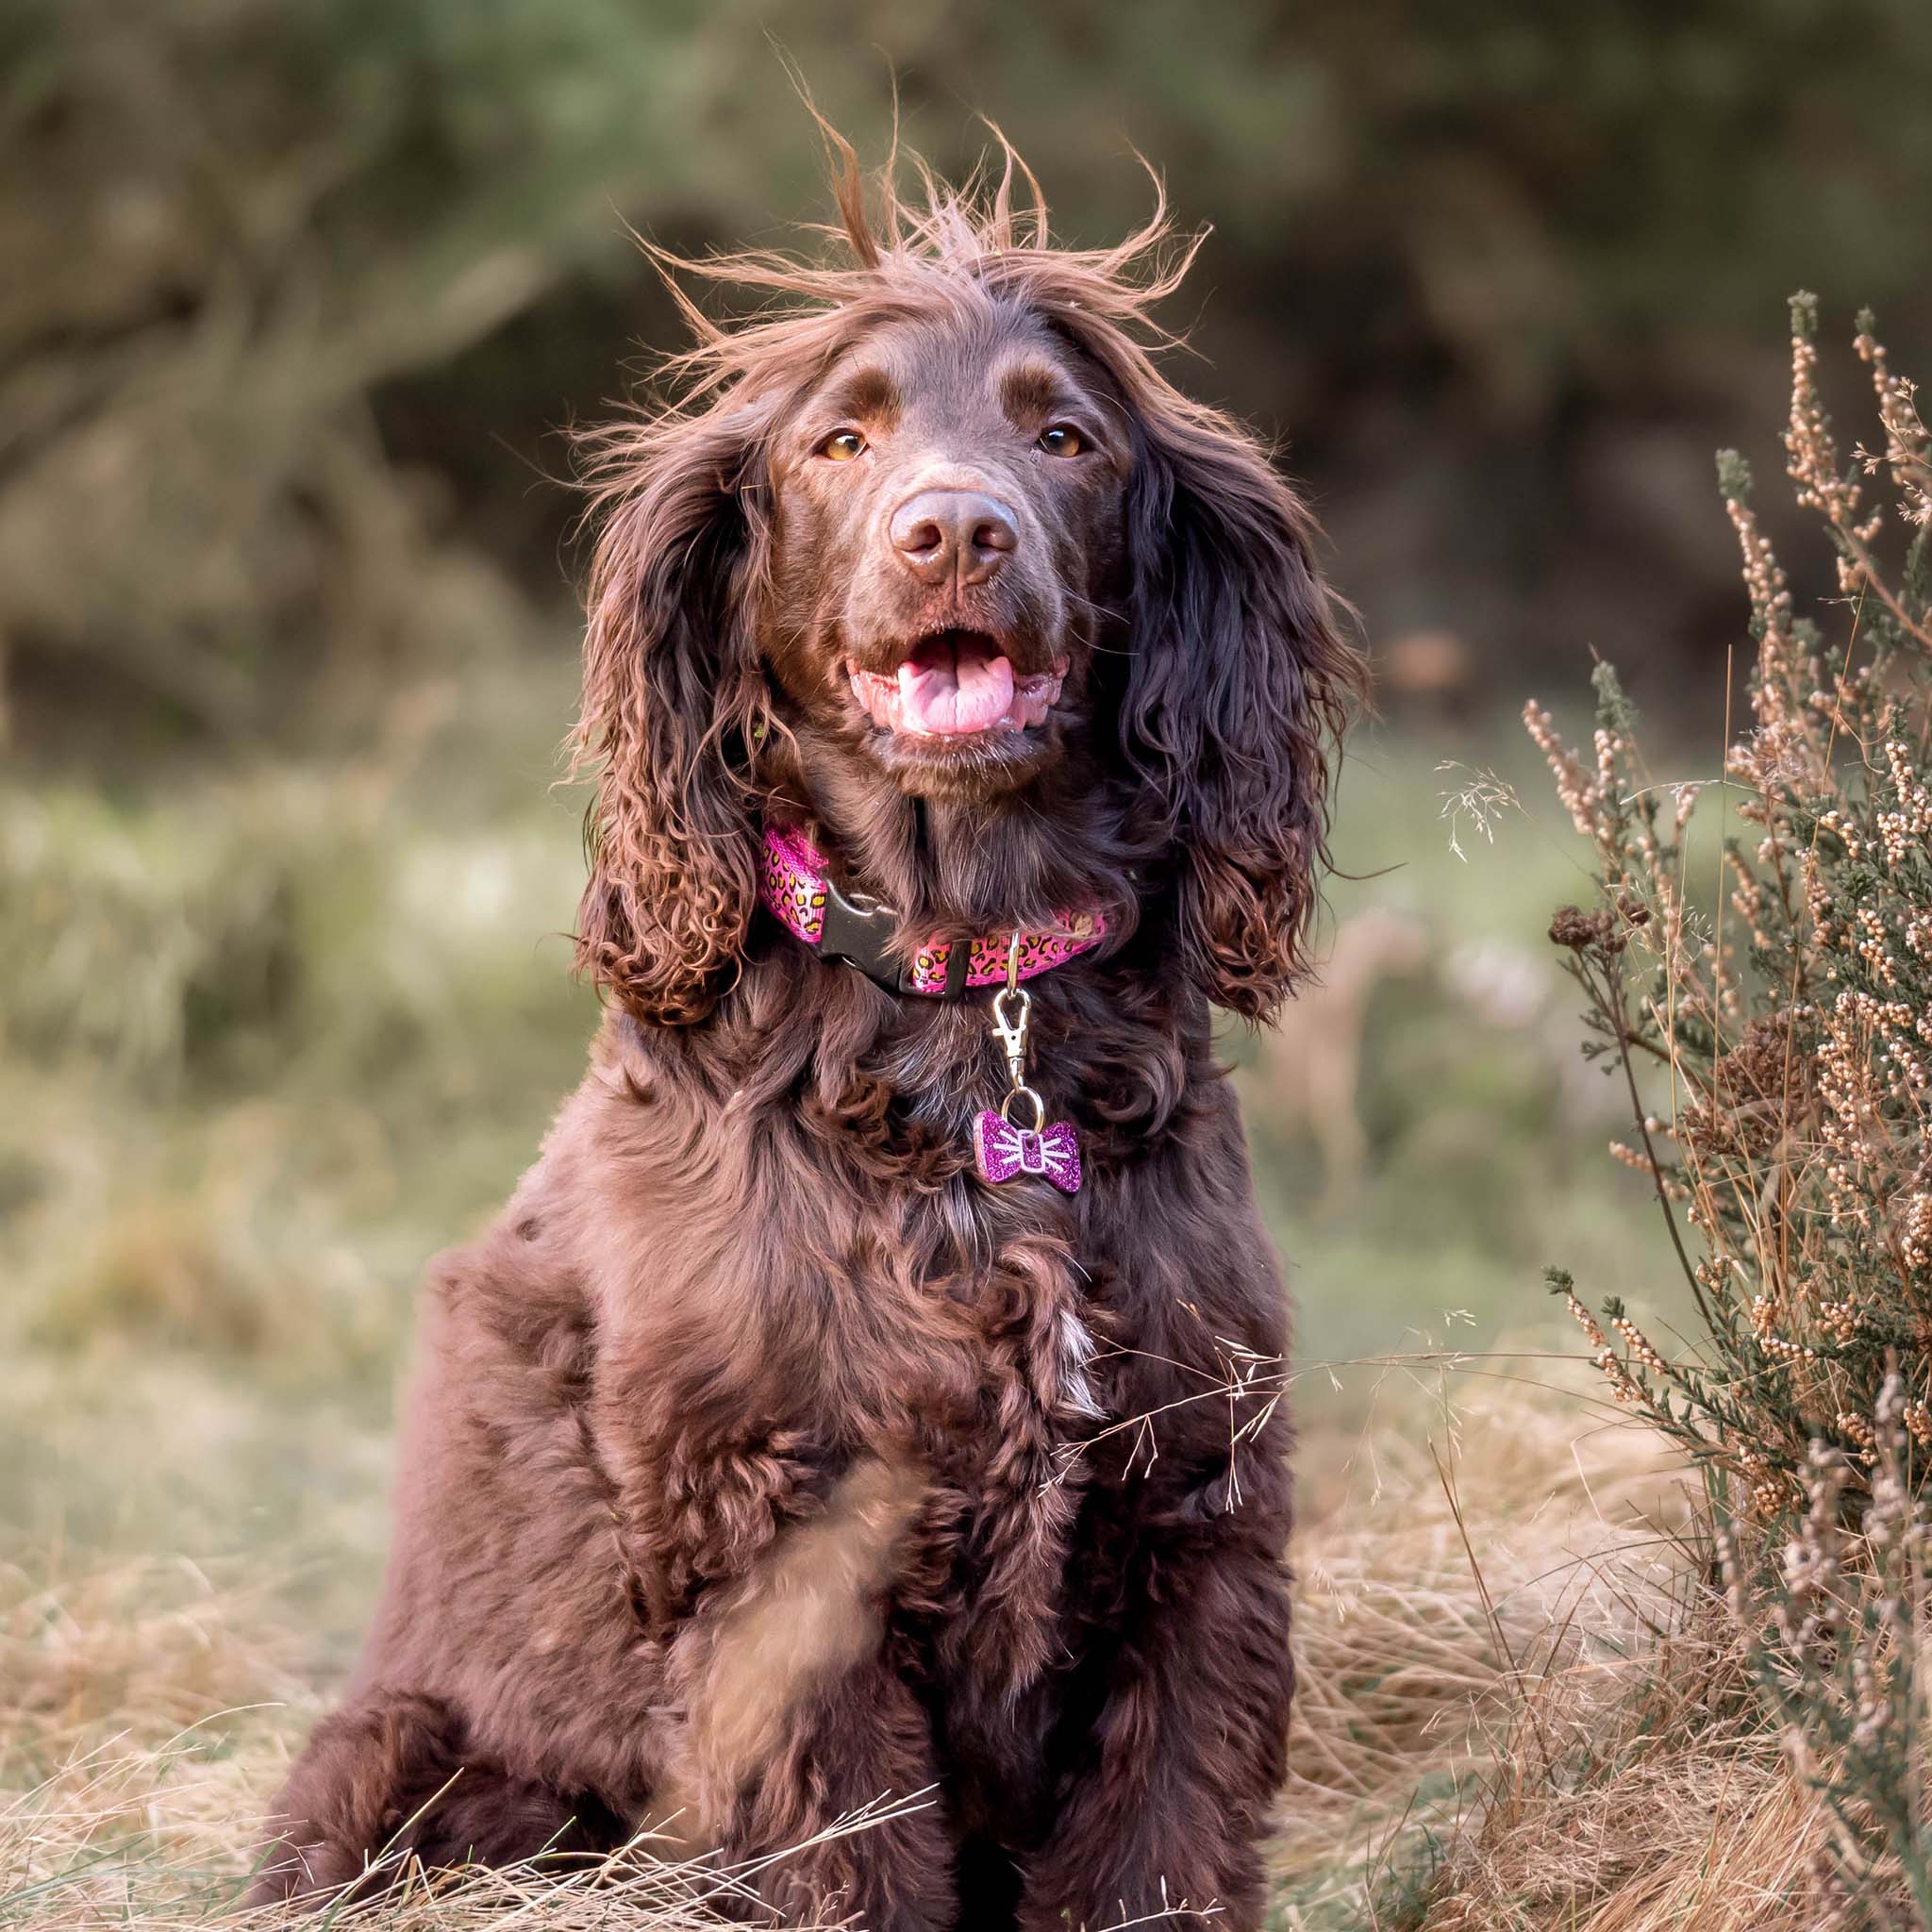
[859,1746]
[799,1726]
[391,1777]
[1174,1780]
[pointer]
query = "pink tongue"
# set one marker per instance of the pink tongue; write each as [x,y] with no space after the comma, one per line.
[973,693]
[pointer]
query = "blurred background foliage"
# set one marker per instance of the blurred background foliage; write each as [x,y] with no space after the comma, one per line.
[294,298]
[296,290]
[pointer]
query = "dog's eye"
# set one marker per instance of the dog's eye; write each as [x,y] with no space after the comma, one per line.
[1062,439]
[844,447]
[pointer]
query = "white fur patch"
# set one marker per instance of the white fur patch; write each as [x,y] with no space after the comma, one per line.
[1076,1351]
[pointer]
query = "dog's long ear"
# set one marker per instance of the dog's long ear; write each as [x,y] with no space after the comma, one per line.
[1239,687]
[673,699]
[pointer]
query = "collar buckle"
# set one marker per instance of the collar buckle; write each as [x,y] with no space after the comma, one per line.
[855,928]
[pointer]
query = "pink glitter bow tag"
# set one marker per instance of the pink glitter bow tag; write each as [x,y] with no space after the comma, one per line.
[1001,1150]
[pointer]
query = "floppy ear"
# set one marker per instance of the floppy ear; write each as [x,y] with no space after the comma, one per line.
[1237,694]
[673,700]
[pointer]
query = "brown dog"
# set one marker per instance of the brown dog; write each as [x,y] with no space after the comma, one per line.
[765,1458]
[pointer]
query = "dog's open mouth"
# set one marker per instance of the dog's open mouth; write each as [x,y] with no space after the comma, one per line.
[955,684]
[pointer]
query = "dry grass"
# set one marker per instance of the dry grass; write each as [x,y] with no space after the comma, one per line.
[1633,1793]
[1525,1706]
[149,1715]
[1444,1587]
[1479,1667]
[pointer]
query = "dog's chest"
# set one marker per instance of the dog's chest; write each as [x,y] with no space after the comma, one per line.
[1008,1466]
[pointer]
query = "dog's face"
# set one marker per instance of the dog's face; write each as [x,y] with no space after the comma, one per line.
[946,548]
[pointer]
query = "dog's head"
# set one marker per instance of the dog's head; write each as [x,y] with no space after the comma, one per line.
[948,500]
[940,529]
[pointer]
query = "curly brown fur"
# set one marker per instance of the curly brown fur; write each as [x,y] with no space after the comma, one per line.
[751,1351]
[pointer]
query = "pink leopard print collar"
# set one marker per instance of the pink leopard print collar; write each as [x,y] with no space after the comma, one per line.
[799,894]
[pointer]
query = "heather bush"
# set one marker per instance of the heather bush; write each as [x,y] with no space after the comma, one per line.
[1777,1051]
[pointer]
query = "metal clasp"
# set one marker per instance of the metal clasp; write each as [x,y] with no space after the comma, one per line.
[1012,1028]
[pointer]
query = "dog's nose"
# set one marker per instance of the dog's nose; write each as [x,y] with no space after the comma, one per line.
[942,535]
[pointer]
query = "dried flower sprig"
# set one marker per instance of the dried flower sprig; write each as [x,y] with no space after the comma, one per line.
[1787,1148]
